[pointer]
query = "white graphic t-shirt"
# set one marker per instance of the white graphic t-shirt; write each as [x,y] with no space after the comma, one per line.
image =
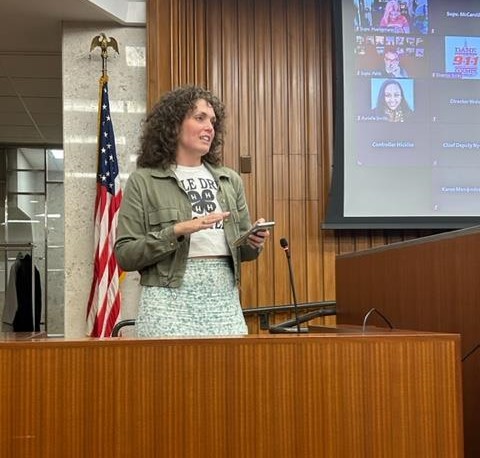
[202,189]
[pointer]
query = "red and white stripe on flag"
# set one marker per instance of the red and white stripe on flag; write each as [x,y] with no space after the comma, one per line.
[103,310]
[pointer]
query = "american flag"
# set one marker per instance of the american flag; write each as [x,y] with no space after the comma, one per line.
[104,303]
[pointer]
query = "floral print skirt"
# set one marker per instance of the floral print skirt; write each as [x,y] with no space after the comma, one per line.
[207,303]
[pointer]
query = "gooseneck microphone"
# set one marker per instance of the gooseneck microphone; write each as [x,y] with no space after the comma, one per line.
[284,245]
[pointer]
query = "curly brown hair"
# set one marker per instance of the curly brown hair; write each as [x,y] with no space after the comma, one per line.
[162,127]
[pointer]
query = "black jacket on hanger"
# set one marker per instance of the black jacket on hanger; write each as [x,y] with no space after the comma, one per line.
[23,321]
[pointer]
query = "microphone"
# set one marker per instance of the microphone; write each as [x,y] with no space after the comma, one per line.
[284,245]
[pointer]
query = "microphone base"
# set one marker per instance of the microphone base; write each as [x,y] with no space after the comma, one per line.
[289,330]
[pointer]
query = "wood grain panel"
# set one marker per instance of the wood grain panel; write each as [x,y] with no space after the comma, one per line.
[314,249]
[326,395]
[281,286]
[297,242]
[159,44]
[297,178]
[230,77]
[279,83]
[214,55]
[325,95]
[313,178]
[312,77]
[246,59]
[174,29]
[295,106]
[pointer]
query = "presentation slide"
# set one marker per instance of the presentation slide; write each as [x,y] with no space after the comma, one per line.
[411,118]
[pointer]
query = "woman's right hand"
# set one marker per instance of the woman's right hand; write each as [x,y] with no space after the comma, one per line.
[199,224]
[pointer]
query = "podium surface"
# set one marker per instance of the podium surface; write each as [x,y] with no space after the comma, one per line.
[368,394]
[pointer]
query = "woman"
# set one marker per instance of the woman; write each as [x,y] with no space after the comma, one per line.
[180,215]
[391,104]
[394,19]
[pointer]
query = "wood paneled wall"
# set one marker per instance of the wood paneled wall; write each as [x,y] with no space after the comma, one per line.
[271,62]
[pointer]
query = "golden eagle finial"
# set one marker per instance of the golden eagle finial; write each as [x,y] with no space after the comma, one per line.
[103,42]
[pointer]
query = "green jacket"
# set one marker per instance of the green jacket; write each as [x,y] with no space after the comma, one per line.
[153,202]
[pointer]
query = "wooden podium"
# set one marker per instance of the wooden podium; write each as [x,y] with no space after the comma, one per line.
[430,284]
[347,394]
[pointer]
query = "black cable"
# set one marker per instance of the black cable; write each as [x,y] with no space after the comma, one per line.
[469,353]
[373,309]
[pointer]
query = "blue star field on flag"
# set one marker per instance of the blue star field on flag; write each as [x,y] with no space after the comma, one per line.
[107,158]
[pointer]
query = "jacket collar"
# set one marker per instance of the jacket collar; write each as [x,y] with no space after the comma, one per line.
[216,171]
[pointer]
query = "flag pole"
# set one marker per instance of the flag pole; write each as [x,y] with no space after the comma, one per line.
[104,303]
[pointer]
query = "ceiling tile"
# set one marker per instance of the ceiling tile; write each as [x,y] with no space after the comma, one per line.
[10,105]
[6,87]
[25,65]
[40,87]
[43,104]
[47,119]
[22,133]
[15,119]
[53,134]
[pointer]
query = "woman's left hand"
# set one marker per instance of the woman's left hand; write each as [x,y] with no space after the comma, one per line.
[258,239]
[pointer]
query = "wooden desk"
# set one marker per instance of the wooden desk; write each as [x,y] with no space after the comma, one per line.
[314,395]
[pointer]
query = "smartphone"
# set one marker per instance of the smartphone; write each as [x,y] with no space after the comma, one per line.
[253,230]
